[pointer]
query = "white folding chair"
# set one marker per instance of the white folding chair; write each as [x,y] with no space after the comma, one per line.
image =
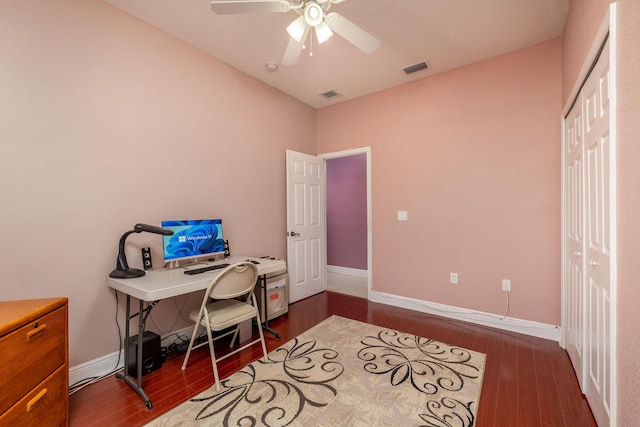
[227,310]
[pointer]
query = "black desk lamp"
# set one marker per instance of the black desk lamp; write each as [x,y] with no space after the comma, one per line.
[122,270]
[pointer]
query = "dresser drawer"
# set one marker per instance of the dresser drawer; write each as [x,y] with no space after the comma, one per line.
[31,353]
[41,407]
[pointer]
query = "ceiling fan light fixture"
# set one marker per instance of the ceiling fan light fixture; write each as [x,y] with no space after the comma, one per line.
[323,32]
[296,28]
[313,13]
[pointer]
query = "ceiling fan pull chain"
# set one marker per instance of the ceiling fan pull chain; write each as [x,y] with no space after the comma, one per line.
[311,45]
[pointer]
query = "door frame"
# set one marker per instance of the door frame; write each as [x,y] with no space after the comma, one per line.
[348,153]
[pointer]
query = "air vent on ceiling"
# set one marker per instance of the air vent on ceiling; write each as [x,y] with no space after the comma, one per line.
[415,68]
[330,94]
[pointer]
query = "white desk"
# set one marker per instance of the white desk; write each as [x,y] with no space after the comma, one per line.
[164,283]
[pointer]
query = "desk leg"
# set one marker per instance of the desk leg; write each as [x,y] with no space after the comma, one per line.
[135,385]
[265,324]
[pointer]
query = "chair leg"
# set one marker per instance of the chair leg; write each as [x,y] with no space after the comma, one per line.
[213,359]
[259,323]
[235,335]
[193,338]
[264,347]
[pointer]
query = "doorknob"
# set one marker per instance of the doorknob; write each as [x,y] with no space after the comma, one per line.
[578,254]
[293,234]
[593,263]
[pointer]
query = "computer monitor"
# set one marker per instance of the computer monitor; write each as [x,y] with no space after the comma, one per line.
[192,239]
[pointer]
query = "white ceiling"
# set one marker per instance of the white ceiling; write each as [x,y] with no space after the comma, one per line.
[445,34]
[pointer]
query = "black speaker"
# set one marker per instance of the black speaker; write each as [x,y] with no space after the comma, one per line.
[146,258]
[152,357]
[227,251]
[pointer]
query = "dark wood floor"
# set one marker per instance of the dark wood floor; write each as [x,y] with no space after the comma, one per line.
[527,381]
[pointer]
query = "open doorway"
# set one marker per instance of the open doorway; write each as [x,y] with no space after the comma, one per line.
[348,221]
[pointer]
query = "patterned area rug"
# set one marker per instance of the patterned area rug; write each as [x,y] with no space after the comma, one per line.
[345,373]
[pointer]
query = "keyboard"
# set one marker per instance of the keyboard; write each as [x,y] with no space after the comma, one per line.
[205,269]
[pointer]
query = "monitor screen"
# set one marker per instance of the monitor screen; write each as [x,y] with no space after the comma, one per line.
[192,238]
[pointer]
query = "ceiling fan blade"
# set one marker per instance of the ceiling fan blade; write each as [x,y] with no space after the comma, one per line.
[294,49]
[352,33]
[291,55]
[229,7]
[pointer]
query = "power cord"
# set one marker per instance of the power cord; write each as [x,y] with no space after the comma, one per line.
[178,344]
[79,385]
[507,309]
[178,316]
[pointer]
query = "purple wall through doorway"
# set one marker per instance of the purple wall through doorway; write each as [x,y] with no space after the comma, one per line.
[347,212]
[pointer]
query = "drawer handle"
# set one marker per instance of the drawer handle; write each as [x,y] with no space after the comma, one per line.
[36,399]
[34,333]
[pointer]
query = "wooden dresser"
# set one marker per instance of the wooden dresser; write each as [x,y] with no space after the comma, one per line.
[34,359]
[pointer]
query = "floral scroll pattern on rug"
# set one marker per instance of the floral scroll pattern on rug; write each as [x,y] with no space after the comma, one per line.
[427,366]
[345,373]
[309,372]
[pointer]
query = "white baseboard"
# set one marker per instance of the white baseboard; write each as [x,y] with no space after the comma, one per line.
[347,271]
[107,365]
[96,368]
[527,327]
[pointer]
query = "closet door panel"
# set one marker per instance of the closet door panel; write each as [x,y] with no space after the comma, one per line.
[597,146]
[574,238]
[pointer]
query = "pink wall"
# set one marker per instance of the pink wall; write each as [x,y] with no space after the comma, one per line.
[347,212]
[473,155]
[628,129]
[106,122]
[580,29]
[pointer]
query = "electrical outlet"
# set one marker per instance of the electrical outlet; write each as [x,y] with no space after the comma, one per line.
[506,285]
[453,278]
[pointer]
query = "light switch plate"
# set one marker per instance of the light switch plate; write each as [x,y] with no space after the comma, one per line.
[403,216]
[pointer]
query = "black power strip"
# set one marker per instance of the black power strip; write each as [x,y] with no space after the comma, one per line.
[182,346]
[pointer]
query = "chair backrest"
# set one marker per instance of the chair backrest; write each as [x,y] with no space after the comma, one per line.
[234,281]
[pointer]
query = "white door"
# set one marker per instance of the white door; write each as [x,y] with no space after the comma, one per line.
[597,164]
[574,238]
[589,232]
[306,230]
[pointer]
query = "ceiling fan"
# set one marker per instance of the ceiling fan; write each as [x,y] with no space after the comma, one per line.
[311,14]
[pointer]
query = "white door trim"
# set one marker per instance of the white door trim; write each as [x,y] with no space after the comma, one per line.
[354,152]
